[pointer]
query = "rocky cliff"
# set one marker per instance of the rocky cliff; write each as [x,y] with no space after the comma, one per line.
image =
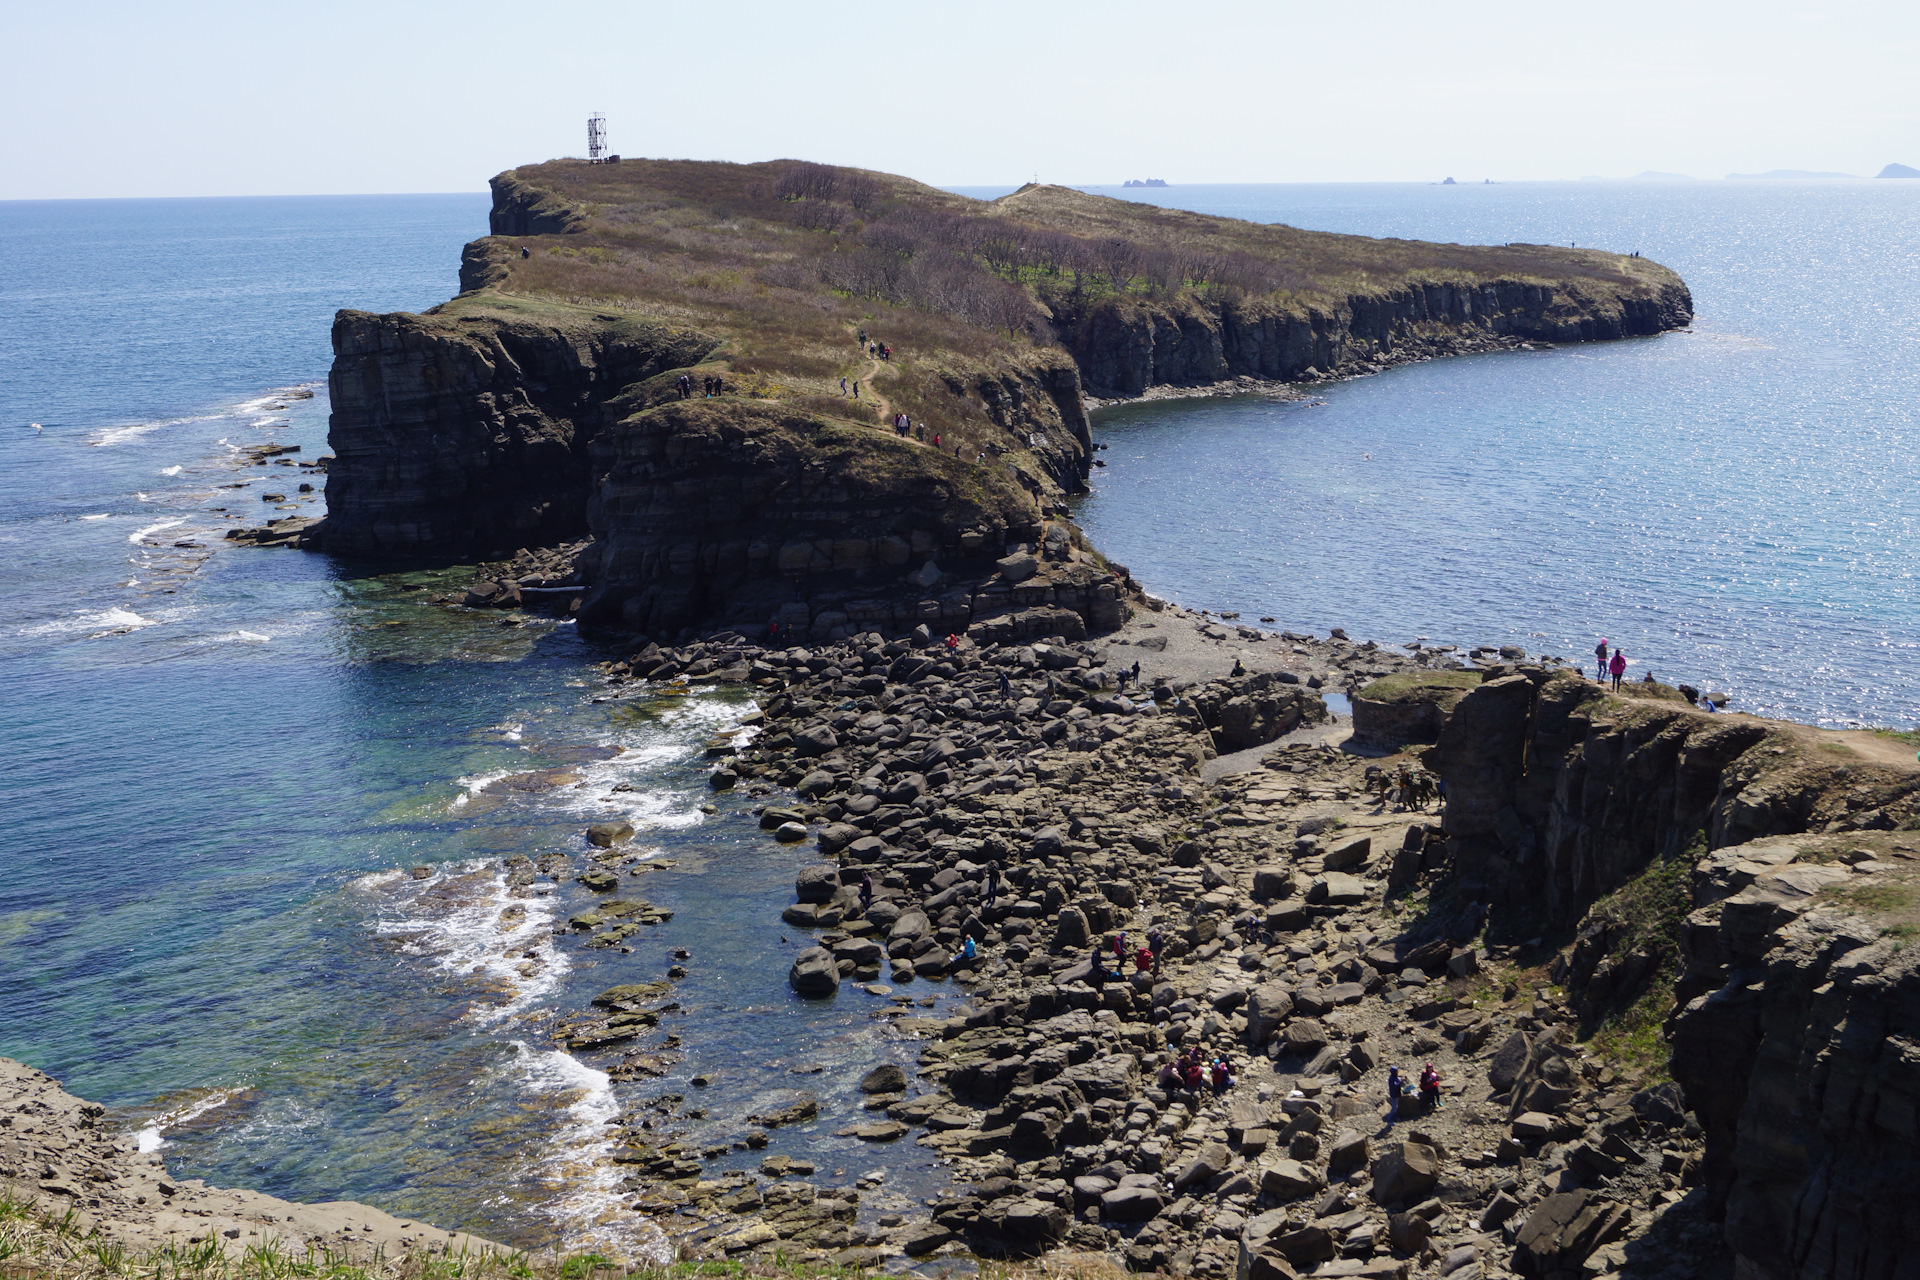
[467,434]
[1794,1012]
[1125,345]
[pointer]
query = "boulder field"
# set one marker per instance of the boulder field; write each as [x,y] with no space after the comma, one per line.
[1040,799]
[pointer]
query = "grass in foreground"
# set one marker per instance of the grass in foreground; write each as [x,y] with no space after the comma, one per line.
[38,1245]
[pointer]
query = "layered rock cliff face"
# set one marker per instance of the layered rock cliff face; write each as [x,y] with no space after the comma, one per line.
[468,436]
[1795,1028]
[711,510]
[1125,345]
[1803,1064]
[1556,796]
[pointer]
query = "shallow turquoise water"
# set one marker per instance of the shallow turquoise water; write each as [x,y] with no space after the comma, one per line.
[222,757]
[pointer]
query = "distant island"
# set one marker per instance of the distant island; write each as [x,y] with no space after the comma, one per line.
[1150,182]
[1898,171]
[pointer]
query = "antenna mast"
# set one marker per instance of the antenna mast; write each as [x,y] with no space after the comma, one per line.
[596,137]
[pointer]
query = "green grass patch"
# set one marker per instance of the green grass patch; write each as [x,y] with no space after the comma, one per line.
[1410,685]
[1881,898]
[1908,737]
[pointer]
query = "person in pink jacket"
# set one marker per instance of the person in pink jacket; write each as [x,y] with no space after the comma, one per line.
[1617,668]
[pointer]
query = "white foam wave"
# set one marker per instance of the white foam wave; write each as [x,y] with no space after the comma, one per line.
[244,637]
[471,924]
[153,1136]
[174,470]
[105,622]
[578,1162]
[139,536]
[101,516]
[111,436]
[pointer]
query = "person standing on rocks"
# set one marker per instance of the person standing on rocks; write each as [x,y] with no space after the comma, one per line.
[1006,686]
[866,891]
[1143,959]
[1618,668]
[1156,943]
[1395,1087]
[1097,975]
[993,883]
[1168,1076]
[1600,663]
[1429,1089]
[953,644]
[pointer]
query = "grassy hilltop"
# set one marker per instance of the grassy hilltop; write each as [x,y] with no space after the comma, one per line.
[784,259]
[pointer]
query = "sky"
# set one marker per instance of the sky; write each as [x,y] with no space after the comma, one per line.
[269,97]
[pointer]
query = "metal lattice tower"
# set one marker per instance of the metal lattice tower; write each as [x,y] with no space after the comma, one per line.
[596,137]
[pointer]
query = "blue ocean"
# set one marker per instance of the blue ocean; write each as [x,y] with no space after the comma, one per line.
[227,764]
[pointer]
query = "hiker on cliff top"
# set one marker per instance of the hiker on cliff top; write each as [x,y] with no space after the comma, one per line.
[1618,667]
[1600,665]
[843,386]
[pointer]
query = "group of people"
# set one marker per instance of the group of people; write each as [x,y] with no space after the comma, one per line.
[1194,1070]
[710,386]
[1405,787]
[1397,1087]
[875,348]
[1610,667]
[1145,957]
[1614,668]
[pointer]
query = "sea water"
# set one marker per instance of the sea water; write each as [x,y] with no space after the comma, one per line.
[1736,506]
[226,764]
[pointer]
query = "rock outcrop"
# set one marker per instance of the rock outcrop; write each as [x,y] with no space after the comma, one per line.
[1804,1063]
[1125,345]
[467,435]
[1556,796]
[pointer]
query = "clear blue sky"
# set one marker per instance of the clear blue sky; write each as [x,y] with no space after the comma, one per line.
[119,99]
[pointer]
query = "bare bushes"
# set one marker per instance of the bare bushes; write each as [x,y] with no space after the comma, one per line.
[862,411]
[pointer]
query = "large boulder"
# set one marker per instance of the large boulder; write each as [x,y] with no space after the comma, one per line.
[817,883]
[815,740]
[1208,1163]
[605,835]
[1025,1228]
[815,974]
[1405,1171]
[1559,1234]
[1136,1199]
[888,1077]
[1070,931]
[1288,1180]
[1268,1008]
[1271,882]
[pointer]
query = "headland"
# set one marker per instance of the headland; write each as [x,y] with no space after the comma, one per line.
[1633,940]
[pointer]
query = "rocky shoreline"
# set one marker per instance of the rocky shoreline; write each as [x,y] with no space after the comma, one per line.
[1313,934]
[1108,811]
[56,1153]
